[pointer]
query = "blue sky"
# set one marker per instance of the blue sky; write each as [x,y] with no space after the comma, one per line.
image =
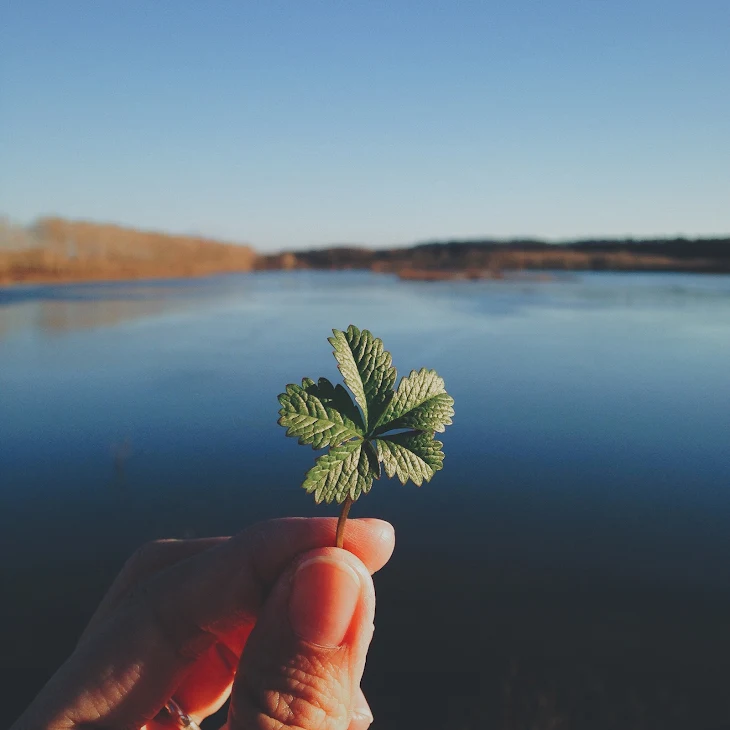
[310,122]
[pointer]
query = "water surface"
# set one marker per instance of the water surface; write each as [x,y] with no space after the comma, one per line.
[581,519]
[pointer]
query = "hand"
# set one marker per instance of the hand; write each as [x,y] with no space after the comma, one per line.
[272,617]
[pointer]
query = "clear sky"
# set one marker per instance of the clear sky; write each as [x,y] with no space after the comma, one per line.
[309,122]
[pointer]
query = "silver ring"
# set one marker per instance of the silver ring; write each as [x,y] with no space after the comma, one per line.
[182,720]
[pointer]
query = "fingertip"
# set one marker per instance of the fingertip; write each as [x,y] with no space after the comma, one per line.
[372,540]
[351,562]
[383,528]
[329,596]
[326,591]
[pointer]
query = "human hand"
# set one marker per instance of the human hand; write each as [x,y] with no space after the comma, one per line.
[273,617]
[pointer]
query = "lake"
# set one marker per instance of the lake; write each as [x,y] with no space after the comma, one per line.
[571,561]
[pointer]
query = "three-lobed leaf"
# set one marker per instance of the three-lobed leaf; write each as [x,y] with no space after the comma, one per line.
[367,369]
[413,455]
[360,439]
[311,420]
[420,403]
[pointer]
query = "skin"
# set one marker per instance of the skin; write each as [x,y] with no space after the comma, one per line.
[273,618]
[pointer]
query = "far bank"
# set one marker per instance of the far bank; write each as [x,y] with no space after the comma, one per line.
[54,250]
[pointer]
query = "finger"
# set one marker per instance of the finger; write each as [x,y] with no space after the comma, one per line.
[304,660]
[130,666]
[150,559]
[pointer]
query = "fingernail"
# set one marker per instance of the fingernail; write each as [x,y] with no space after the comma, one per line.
[325,594]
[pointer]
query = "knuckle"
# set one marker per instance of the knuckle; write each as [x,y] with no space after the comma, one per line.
[308,693]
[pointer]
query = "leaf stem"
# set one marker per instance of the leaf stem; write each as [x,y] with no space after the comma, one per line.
[340,539]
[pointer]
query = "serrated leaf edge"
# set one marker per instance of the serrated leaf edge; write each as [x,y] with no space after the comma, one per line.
[349,358]
[404,468]
[390,421]
[339,431]
[357,480]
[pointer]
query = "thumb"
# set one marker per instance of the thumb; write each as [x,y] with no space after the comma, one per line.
[304,660]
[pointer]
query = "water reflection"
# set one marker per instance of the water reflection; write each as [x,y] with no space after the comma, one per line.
[69,316]
[67,308]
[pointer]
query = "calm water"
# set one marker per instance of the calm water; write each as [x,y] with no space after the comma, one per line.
[580,528]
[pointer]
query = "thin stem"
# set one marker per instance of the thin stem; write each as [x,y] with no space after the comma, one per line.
[340,541]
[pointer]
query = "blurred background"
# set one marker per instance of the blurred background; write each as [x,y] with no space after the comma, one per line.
[531,198]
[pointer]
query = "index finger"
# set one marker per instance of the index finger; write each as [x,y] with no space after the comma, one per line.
[154,557]
[230,582]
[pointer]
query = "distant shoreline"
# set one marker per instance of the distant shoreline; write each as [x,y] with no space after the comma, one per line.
[57,251]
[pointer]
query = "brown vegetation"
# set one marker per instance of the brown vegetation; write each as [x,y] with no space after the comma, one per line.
[489,259]
[58,250]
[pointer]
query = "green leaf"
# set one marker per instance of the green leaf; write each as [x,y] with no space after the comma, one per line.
[379,430]
[372,453]
[420,403]
[313,422]
[412,455]
[336,397]
[344,471]
[366,369]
